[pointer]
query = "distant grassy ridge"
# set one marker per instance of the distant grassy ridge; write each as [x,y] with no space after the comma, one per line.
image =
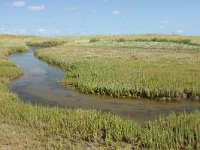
[44,124]
[47,43]
[164,38]
[191,40]
[143,45]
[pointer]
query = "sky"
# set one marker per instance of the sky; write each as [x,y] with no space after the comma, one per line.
[99,17]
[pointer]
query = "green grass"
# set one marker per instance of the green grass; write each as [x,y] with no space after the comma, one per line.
[67,123]
[143,45]
[175,131]
[191,40]
[25,126]
[46,42]
[163,71]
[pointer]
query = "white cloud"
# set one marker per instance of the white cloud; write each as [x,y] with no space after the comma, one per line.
[116,33]
[42,31]
[70,9]
[116,12]
[22,31]
[120,14]
[165,22]
[2,29]
[36,8]
[18,4]
[13,31]
[162,27]
[57,31]
[179,31]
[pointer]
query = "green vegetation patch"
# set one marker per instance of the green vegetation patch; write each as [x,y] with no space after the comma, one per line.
[173,132]
[45,42]
[129,72]
[103,69]
[9,70]
[143,45]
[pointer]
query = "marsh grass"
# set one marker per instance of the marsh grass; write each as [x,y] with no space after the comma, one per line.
[93,40]
[191,40]
[144,45]
[173,132]
[9,69]
[46,43]
[36,127]
[168,72]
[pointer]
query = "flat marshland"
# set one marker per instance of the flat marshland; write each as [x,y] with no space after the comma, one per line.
[160,67]
[125,68]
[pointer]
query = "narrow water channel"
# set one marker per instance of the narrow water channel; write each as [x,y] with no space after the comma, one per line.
[39,85]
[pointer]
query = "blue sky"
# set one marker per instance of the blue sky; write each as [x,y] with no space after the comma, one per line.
[94,17]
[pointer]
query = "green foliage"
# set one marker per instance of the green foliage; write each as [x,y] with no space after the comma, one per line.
[7,48]
[46,43]
[143,45]
[180,132]
[93,40]
[155,39]
[7,68]
[121,40]
[173,132]
[168,74]
[115,71]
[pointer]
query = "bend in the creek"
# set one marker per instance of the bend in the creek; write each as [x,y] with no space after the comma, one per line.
[39,85]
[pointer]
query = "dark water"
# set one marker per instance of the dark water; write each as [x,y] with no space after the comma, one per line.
[39,84]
